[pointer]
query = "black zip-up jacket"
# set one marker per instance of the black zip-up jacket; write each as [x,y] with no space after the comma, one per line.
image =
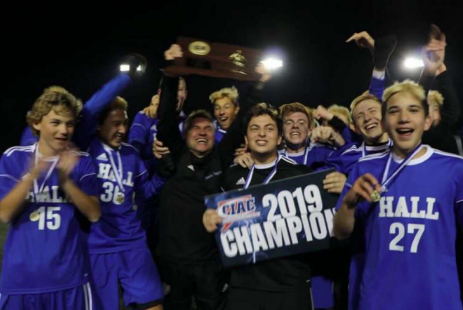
[183,237]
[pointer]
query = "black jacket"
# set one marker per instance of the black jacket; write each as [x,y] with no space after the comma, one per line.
[183,237]
[281,274]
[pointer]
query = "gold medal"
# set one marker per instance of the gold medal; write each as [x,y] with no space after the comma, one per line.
[375,196]
[120,198]
[34,216]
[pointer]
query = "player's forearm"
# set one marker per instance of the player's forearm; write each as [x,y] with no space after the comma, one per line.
[167,126]
[344,221]
[338,140]
[14,201]
[87,205]
[451,108]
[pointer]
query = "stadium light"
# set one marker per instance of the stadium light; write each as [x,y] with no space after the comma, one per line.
[126,68]
[272,63]
[413,63]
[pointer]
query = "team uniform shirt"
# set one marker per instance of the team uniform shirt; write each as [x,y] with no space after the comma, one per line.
[27,137]
[219,132]
[344,159]
[410,260]
[143,133]
[314,156]
[282,274]
[122,176]
[322,287]
[44,249]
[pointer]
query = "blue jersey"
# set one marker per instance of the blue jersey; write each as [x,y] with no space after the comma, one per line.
[410,260]
[44,249]
[350,136]
[142,135]
[119,228]
[219,132]
[314,156]
[27,137]
[344,159]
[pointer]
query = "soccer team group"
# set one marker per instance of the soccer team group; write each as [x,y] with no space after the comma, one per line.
[92,217]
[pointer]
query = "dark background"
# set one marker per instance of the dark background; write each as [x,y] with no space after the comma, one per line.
[80,46]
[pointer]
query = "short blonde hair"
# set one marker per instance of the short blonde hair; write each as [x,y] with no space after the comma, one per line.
[118,103]
[294,107]
[365,96]
[435,98]
[228,92]
[338,110]
[56,98]
[407,86]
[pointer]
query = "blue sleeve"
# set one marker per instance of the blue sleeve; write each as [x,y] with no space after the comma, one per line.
[350,136]
[28,138]
[337,159]
[138,131]
[97,103]
[145,187]
[459,197]
[84,176]
[318,157]
[376,87]
[349,182]
[9,175]
[140,138]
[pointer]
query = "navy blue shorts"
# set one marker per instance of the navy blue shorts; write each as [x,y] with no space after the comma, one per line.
[78,298]
[135,270]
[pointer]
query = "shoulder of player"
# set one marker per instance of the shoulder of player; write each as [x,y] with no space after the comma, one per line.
[320,146]
[19,150]
[286,161]
[449,156]
[80,153]
[353,148]
[374,157]
[288,164]
[143,120]
[128,149]
[236,170]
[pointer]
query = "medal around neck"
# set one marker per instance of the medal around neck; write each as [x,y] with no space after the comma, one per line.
[34,216]
[120,198]
[375,196]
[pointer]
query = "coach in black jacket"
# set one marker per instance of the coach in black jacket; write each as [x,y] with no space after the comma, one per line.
[189,260]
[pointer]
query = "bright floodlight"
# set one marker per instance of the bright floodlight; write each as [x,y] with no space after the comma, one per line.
[139,68]
[272,63]
[124,68]
[413,63]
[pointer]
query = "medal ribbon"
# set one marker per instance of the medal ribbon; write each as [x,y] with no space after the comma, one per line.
[118,173]
[267,179]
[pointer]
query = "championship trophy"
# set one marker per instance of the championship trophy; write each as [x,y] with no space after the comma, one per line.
[215,60]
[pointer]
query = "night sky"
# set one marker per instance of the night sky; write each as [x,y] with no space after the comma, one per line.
[80,47]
